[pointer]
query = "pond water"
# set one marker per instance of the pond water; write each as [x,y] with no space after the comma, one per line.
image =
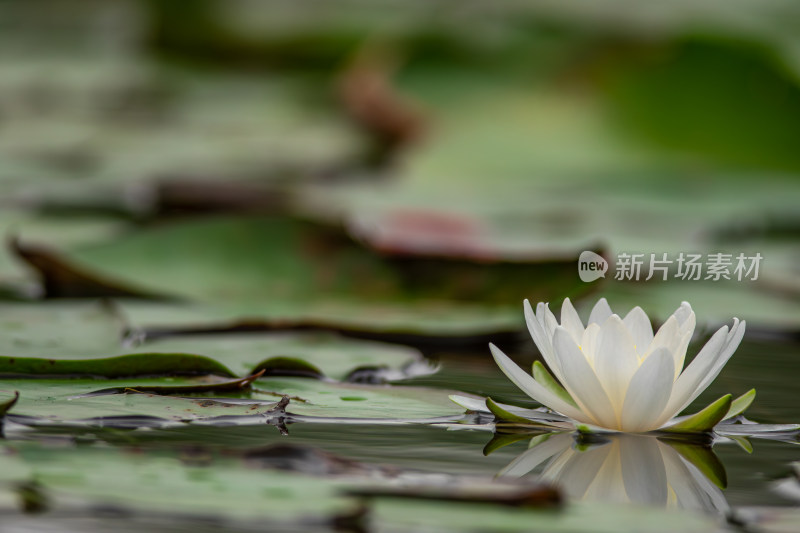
[767,364]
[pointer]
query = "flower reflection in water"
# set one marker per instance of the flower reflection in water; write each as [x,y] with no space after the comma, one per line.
[641,469]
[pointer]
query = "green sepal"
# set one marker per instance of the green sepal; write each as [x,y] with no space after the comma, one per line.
[504,415]
[740,404]
[507,416]
[541,374]
[705,420]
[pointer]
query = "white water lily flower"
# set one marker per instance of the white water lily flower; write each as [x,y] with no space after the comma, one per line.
[616,374]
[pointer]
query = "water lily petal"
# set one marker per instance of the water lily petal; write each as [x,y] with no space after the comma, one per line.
[690,379]
[581,382]
[640,329]
[686,324]
[589,342]
[679,355]
[615,360]
[547,319]
[535,390]
[668,337]
[542,339]
[600,312]
[683,313]
[732,341]
[536,329]
[571,321]
[648,393]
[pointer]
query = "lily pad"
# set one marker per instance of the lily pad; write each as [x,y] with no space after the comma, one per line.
[45,401]
[331,355]
[89,340]
[350,401]
[160,401]
[427,324]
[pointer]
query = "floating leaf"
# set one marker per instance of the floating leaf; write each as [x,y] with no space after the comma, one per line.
[79,339]
[75,401]
[205,386]
[289,367]
[235,259]
[343,401]
[144,364]
[83,400]
[320,354]
[433,324]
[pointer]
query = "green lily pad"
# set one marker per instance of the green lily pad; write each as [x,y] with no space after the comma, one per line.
[207,384]
[76,328]
[268,258]
[160,402]
[328,354]
[146,364]
[343,401]
[429,323]
[77,339]
[47,401]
